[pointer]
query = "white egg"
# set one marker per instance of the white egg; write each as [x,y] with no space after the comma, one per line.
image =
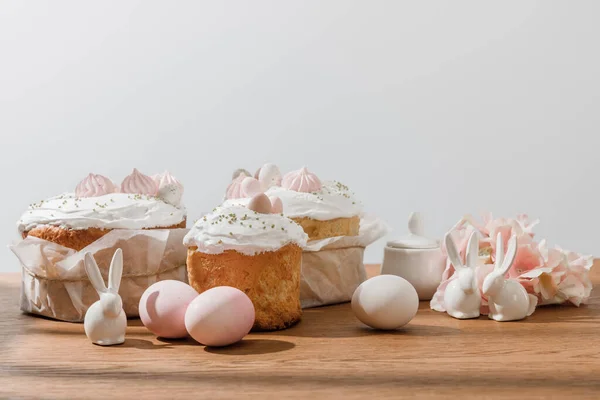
[385,302]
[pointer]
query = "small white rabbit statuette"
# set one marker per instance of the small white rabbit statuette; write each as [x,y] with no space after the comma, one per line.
[105,321]
[507,298]
[462,298]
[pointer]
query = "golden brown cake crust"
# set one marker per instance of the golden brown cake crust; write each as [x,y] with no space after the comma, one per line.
[77,239]
[270,279]
[331,228]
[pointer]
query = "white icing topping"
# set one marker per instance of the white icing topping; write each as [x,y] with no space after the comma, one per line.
[114,210]
[334,200]
[171,193]
[245,231]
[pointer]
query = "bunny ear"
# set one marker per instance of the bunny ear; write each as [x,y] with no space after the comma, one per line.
[499,252]
[116,270]
[93,272]
[473,250]
[510,255]
[453,254]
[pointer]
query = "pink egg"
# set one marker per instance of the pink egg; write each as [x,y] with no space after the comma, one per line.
[251,187]
[162,308]
[260,203]
[276,205]
[220,316]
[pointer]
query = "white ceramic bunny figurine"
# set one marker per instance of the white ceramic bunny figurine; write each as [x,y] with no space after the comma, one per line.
[507,298]
[462,298]
[105,321]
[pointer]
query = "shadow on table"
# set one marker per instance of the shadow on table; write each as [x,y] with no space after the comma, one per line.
[57,328]
[134,322]
[245,347]
[48,326]
[252,346]
[360,330]
[338,321]
[144,344]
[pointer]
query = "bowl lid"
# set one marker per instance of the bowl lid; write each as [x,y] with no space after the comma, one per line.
[416,238]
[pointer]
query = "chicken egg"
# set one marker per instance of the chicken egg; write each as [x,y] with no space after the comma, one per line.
[385,302]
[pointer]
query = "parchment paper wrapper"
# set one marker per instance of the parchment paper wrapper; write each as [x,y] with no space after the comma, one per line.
[55,284]
[333,268]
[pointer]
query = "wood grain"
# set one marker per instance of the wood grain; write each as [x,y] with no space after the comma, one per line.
[554,353]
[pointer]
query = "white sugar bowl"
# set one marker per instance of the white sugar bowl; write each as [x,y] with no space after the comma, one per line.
[416,258]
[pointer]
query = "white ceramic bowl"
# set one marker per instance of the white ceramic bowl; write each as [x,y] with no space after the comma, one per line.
[423,268]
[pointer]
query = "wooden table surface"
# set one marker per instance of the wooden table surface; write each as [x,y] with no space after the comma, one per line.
[554,353]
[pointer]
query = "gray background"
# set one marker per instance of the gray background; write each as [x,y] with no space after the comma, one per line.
[444,107]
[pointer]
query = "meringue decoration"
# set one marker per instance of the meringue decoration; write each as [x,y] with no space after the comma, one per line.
[234,190]
[240,171]
[251,187]
[301,181]
[261,204]
[243,186]
[95,185]
[165,179]
[139,183]
[276,205]
[269,175]
[170,190]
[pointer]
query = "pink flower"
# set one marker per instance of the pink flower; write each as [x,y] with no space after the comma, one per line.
[555,276]
[518,226]
[528,257]
[526,225]
[564,278]
[579,285]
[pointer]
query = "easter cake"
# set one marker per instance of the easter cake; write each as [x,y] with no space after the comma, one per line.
[323,209]
[98,205]
[254,250]
[141,216]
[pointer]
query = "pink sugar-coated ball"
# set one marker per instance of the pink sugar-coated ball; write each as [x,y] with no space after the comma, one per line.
[251,187]
[276,205]
[220,316]
[260,203]
[162,308]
